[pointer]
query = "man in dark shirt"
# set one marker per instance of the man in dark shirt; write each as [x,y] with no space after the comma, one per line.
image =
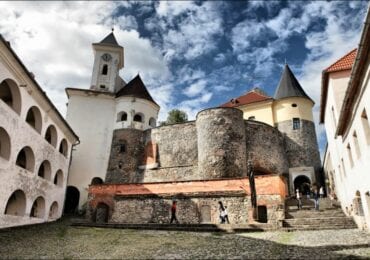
[173,213]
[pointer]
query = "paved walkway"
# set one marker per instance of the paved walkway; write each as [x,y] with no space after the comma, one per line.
[59,240]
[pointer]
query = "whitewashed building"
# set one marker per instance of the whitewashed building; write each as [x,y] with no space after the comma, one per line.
[109,104]
[35,147]
[345,110]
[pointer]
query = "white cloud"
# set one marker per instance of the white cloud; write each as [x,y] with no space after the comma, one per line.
[54,40]
[195,88]
[195,34]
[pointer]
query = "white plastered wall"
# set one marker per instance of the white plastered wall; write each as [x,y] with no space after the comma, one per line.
[91,117]
[13,177]
[349,178]
[132,106]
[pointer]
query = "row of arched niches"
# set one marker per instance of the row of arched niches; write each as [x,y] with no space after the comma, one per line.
[25,157]
[10,95]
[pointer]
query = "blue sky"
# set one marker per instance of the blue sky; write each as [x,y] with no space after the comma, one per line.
[190,54]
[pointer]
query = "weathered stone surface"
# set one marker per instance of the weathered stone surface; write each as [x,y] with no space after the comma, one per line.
[126,155]
[189,210]
[265,147]
[185,173]
[177,144]
[221,143]
[301,145]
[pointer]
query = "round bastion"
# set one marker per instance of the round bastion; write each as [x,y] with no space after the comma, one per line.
[221,143]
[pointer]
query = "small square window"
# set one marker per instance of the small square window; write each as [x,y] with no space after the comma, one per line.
[122,148]
[102,86]
[296,123]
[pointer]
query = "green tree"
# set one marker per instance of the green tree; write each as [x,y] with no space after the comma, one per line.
[175,116]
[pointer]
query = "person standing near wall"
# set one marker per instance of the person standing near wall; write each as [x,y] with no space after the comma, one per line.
[226,216]
[222,212]
[298,197]
[173,212]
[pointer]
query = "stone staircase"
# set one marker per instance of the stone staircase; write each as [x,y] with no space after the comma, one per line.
[328,217]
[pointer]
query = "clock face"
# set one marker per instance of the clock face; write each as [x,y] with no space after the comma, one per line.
[106,57]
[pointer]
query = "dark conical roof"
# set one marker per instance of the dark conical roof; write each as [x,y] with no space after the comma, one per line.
[289,86]
[110,39]
[136,88]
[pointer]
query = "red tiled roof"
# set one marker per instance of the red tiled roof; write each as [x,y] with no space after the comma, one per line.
[250,97]
[344,63]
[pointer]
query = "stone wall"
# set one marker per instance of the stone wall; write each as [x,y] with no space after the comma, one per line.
[125,156]
[177,144]
[265,147]
[189,209]
[301,145]
[221,143]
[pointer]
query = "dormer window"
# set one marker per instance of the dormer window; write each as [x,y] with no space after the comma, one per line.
[252,118]
[105,70]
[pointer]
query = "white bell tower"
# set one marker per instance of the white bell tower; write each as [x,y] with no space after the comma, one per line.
[107,63]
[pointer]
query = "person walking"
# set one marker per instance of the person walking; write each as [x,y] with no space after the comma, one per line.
[173,212]
[298,197]
[316,196]
[222,212]
[321,192]
[226,217]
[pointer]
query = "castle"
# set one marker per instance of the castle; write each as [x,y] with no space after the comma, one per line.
[128,170]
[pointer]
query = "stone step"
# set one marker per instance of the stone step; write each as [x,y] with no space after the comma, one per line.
[320,223]
[181,227]
[314,214]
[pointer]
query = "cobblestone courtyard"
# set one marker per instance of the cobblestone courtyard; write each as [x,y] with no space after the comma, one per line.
[59,240]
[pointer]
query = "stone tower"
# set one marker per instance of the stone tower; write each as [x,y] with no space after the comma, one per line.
[107,63]
[293,116]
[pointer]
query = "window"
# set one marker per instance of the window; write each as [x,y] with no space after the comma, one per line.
[294,105]
[152,122]
[357,145]
[124,117]
[366,126]
[63,147]
[251,118]
[122,148]
[350,155]
[105,70]
[138,118]
[51,135]
[296,123]
[333,116]
[102,86]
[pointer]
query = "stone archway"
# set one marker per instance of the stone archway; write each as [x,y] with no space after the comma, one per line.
[302,182]
[72,200]
[38,208]
[16,204]
[96,181]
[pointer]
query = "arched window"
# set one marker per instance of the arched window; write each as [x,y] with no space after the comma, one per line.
[26,159]
[96,180]
[34,119]
[58,179]
[10,95]
[4,144]
[51,135]
[53,212]
[138,118]
[16,204]
[63,147]
[122,116]
[152,122]
[38,208]
[45,170]
[105,70]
